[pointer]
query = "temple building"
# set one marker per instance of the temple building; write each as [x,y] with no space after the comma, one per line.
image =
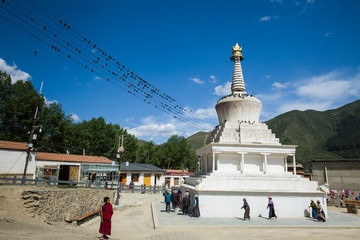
[244,159]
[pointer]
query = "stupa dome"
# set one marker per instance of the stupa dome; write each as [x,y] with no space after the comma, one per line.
[238,108]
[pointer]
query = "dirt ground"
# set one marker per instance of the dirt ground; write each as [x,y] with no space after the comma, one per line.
[136,223]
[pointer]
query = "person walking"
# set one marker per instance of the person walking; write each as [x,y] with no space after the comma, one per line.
[179,197]
[167,201]
[341,202]
[196,210]
[186,203]
[246,207]
[174,200]
[106,213]
[271,208]
[314,209]
[320,212]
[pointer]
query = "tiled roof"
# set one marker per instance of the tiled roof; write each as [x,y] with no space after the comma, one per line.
[140,167]
[13,145]
[41,156]
[174,172]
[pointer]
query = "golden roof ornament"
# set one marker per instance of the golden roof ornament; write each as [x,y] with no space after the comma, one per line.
[237,52]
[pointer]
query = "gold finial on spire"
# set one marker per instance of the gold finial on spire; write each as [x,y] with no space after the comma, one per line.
[237,52]
[237,47]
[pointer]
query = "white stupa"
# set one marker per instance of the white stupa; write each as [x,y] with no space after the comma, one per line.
[245,159]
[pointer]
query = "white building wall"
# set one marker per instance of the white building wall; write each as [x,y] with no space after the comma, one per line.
[13,162]
[228,163]
[253,163]
[161,182]
[152,179]
[141,179]
[128,178]
[275,164]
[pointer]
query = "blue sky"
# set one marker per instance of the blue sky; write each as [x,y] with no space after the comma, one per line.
[298,55]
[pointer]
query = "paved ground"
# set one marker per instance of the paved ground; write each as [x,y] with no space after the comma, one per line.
[167,219]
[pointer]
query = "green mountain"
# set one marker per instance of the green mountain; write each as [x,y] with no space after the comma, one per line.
[333,133]
[198,140]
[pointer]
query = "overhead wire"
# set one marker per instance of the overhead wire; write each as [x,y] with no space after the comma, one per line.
[186,116]
[58,49]
[190,118]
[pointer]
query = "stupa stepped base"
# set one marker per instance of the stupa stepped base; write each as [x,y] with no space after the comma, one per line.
[253,182]
[244,133]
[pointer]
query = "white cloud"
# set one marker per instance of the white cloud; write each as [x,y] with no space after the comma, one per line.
[223,90]
[197,80]
[160,128]
[206,113]
[280,85]
[213,79]
[75,117]
[322,92]
[265,18]
[48,102]
[328,34]
[93,50]
[268,76]
[330,87]
[129,119]
[150,129]
[308,2]
[278,1]
[97,78]
[15,74]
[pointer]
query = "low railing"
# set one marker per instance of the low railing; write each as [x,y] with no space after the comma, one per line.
[99,185]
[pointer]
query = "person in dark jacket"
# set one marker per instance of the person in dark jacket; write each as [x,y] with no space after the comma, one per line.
[174,200]
[180,197]
[246,207]
[271,208]
[186,203]
[196,210]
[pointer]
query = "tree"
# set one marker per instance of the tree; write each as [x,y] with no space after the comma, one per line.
[176,154]
[18,103]
[55,125]
[100,139]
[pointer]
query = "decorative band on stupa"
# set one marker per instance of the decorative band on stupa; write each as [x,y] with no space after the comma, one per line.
[238,85]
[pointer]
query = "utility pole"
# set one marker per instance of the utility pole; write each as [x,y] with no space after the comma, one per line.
[119,156]
[32,137]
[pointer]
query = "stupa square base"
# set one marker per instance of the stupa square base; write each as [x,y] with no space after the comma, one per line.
[221,203]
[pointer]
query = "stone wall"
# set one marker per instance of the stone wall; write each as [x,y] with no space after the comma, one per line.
[341,174]
[58,205]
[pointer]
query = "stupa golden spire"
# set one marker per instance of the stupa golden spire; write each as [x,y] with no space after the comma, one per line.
[238,85]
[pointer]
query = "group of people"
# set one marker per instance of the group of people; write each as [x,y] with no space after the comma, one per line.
[178,201]
[270,206]
[317,211]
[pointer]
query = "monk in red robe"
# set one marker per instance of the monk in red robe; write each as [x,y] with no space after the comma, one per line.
[106,213]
